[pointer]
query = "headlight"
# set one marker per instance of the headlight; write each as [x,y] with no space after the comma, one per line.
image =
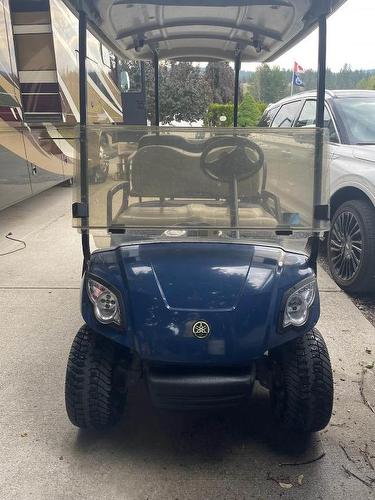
[105,302]
[298,303]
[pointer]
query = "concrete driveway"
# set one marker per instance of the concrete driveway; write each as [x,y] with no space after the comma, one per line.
[152,454]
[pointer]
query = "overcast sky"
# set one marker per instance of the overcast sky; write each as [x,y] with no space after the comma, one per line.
[351,39]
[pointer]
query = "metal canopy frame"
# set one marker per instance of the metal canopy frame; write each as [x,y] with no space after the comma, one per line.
[82,45]
[81,209]
[156,88]
[321,212]
[139,42]
[249,28]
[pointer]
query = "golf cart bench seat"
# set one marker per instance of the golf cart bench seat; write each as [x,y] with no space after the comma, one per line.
[174,141]
[192,213]
[168,172]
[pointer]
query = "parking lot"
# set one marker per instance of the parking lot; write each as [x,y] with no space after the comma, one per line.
[234,454]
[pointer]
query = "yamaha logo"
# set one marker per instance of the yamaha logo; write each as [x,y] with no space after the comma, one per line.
[201,329]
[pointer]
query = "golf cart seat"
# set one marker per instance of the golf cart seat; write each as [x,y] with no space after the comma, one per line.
[190,213]
[182,194]
[160,171]
[174,141]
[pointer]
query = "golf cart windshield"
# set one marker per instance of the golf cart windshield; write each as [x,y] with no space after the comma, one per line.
[167,182]
[197,181]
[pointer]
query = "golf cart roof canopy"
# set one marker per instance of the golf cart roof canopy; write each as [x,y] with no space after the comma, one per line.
[260,30]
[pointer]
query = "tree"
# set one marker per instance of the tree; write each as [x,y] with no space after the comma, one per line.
[270,85]
[150,89]
[220,78]
[248,112]
[187,93]
[367,83]
[261,106]
[184,94]
[187,90]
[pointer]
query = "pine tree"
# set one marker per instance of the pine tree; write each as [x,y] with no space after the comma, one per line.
[248,113]
[220,78]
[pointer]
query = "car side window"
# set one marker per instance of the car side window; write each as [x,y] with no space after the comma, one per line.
[286,115]
[267,118]
[307,118]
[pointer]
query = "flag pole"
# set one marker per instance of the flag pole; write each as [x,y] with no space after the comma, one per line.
[292,84]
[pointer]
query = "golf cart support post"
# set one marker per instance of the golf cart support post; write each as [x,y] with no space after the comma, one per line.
[82,209]
[321,212]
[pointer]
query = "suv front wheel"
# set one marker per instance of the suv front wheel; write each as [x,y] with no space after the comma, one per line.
[351,246]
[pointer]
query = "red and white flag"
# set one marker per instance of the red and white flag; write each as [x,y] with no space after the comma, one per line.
[297,68]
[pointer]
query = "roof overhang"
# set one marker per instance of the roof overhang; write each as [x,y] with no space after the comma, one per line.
[204,29]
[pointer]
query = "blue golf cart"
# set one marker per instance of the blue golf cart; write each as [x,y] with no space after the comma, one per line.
[203,280]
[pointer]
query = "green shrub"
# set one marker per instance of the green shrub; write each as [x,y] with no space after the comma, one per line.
[215,111]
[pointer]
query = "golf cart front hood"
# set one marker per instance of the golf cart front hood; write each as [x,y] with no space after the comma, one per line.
[167,287]
[210,279]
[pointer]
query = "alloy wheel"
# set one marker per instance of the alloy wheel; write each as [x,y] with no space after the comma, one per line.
[346,246]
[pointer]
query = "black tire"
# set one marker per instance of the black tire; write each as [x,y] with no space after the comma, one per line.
[350,251]
[302,384]
[91,398]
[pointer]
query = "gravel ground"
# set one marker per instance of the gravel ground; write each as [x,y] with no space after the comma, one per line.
[365,303]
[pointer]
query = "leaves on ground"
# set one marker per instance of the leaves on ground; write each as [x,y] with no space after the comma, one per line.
[286,486]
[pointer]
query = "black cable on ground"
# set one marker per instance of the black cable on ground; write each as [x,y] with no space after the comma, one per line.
[9,237]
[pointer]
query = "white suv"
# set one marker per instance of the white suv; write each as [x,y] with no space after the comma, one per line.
[350,118]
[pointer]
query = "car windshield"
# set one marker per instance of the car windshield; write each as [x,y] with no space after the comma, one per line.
[358,115]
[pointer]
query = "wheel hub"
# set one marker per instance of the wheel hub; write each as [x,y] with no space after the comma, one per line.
[348,248]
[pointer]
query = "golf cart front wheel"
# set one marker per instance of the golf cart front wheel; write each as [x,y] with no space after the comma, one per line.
[92,393]
[302,384]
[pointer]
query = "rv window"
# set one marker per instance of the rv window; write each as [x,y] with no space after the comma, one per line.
[130,76]
[124,81]
[35,52]
[106,56]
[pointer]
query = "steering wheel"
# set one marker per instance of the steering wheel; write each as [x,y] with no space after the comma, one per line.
[232,157]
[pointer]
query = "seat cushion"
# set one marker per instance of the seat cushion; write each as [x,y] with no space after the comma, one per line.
[180,213]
